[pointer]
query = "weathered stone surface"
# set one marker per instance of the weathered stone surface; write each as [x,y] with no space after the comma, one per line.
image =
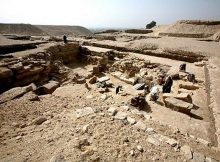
[153,140]
[178,105]
[5,73]
[65,52]
[39,120]
[200,64]
[32,71]
[166,95]
[173,73]
[103,79]
[150,131]
[140,148]
[27,80]
[209,159]
[140,125]
[96,70]
[11,94]
[93,80]
[189,86]
[50,87]
[139,86]
[121,77]
[204,142]
[131,120]
[143,72]
[172,142]
[112,111]
[16,67]
[125,107]
[184,97]
[198,157]
[216,37]
[31,87]
[121,115]
[186,150]
[81,80]
[31,96]
[57,158]
[84,112]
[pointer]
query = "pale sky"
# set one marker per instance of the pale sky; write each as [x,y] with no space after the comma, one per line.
[106,13]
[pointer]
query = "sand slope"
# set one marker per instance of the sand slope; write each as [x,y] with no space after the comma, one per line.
[28,29]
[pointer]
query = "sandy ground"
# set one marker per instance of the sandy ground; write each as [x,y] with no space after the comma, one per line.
[99,136]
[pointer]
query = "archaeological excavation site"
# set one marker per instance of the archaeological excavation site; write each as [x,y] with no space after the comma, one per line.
[114,95]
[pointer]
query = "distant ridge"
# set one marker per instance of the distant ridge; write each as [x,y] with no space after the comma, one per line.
[40,30]
[61,30]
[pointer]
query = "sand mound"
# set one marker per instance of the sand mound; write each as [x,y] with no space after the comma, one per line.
[192,28]
[28,29]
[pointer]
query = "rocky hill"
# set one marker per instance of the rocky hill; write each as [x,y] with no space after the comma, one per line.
[28,29]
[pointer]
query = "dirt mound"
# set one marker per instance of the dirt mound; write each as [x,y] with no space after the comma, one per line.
[21,29]
[61,30]
[39,30]
[192,29]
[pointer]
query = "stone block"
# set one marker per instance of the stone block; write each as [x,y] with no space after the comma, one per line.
[178,105]
[188,86]
[184,97]
[48,88]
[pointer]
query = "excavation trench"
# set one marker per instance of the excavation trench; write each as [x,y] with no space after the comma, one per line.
[171,54]
[5,49]
[212,132]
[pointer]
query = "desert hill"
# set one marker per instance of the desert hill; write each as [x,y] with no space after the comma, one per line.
[61,30]
[28,29]
[192,28]
[20,29]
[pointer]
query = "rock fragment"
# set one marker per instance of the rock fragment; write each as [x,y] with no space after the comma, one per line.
[131,120]
[84,112]
[140,125]
[186,150]
[121,115]
[112,111]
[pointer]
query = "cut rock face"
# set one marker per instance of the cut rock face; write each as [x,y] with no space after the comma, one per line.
[178,105]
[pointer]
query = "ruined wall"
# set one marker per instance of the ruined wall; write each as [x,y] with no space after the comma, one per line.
[36,68]
[65,52]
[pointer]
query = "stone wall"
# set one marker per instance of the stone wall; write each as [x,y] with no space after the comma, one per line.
[67,53]
[37,68]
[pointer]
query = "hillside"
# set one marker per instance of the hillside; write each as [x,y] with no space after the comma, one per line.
[28,29]
[192,28]
[21,29]
[61,30]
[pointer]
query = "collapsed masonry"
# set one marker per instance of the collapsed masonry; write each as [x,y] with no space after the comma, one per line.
[47,71]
